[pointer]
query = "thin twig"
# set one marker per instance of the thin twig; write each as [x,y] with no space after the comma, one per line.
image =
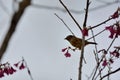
[64,24]
[99,73]
[109,64]
[101,23]
[103,57]
[96,34]
[92,73]
[86,14]
[109,70]
[111,44]
[97,66]
[112,72]
[71,15]
[29,72]
[95,53]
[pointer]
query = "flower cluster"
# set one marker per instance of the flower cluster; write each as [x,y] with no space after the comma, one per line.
[106,62]
[113,55]
[20,65]
[7,69]
[66,50]
[114,30]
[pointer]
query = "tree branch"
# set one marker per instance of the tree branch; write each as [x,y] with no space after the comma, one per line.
[110,73]
[86,13]
[71,15]
[15,19]
[83,44]
[65,24]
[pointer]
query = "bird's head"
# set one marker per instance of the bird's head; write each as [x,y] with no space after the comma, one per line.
[69,37]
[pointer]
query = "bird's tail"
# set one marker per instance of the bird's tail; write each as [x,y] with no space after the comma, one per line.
[92,43]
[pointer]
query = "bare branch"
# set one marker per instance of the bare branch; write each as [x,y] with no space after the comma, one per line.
[15,19]
[111,44]
[101,23]
[29,72]
[112,72]
[86,13]
[71,15]
[96,34]
[65,24]
[83,43]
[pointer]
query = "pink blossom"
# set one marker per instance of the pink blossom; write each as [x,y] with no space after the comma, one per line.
[85,32]
[9,70]
[64,49]
[115,53]
[67,54]
[104,63]
[6,70]
[112,31]
[12,69]
[1,73]
[16,64]
[115,15]
[22,66]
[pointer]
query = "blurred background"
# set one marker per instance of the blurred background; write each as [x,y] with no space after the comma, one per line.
[39,37]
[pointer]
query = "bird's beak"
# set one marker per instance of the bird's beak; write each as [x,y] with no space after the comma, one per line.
[65,38]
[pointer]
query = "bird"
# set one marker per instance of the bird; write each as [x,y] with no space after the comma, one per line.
[77,42]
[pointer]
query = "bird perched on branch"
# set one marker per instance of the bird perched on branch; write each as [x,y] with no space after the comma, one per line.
[77,42]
